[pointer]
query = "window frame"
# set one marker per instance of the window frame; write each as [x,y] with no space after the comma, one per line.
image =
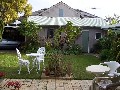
[49,33]
[96,35]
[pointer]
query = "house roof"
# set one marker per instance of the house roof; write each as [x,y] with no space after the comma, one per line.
[86,13]
[90,22]
[40,12]
[113,26]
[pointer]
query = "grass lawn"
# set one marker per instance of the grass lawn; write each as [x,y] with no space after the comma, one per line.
[9,65]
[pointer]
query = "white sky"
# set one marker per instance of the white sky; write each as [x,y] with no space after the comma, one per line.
[103,7]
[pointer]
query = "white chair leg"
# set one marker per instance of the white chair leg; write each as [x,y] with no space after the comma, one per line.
[39,66]
[34,61]
[43,65]
[19,69]
[43,62]
[28,68]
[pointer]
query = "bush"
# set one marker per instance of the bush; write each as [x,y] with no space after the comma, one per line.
[96,47]
[118,57]
[57,66]
[73,49]
[104,55]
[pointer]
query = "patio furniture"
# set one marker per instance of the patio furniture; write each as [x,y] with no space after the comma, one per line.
[97,70]
[41,50]
[38,58]
[113,65]
[22,61]
[112,80]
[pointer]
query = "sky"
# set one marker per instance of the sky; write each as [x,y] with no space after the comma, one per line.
[103,8]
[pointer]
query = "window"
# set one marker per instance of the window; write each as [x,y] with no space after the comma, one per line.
[60,12]
[50,33]
[98,36]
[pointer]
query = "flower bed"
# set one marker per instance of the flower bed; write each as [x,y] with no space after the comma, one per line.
[13,85]
[66,77]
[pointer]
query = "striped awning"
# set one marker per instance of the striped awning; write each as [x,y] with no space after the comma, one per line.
[113,26]
[92,22]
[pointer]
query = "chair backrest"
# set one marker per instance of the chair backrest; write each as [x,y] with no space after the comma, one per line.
[113,65]
[41,50]
[18,54]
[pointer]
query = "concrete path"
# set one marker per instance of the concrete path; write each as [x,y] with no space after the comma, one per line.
[48,84]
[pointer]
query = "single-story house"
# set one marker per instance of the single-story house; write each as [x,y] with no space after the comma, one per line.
[91,28]
[58,15]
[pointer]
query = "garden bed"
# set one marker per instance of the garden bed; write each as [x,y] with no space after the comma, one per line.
[43,76]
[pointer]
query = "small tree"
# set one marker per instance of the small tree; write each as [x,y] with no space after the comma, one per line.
[30,30]
[110,45]
[113,20]
[111,42]
[66,35]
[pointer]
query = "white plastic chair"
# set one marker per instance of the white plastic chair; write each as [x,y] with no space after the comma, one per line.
[22,61]
[113,65]
[39,58]
[41,51]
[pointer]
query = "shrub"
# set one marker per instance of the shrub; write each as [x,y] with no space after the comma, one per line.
[57,66]
[118,57]
[110,46]
[97,47]
[104,55]
[66,35]
[30,30]
[73,49]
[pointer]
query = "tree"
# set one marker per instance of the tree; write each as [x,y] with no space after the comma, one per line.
[30,30]
[111,42]
[66,34]
[10,10]
[113,20]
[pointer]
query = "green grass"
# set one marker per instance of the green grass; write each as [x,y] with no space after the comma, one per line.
[9,65]
[79,64]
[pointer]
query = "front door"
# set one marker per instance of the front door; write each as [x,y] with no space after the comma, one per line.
[85,41]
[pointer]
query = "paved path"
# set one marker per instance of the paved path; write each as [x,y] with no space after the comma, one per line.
[48,84]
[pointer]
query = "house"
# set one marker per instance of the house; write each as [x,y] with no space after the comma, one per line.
[62,10]
[91,28]
[58,15]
